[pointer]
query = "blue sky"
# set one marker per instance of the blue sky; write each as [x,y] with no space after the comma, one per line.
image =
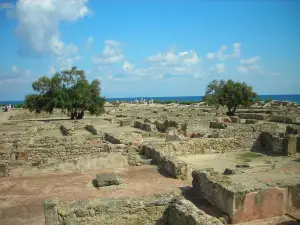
[151,48]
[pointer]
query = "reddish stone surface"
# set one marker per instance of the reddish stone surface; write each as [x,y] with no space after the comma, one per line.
[21,198]
[269,203]
[20,155]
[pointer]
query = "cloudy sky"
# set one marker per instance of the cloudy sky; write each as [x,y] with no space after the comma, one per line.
[151,47]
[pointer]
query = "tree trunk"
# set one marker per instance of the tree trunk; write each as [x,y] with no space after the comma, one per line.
[231,111]
[80,115]
[72,115]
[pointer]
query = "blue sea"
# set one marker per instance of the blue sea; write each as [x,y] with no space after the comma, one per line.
[291,98]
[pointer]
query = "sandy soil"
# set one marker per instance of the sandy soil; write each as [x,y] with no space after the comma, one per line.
[21,198]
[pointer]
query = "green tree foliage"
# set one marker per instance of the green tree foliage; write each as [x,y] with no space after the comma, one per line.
[229,93]
[69,91]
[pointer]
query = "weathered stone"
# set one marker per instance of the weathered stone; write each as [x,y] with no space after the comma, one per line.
[283,119]
[229,171]
[174,137]
[290,145]
[181,211]
[67,130]
[50,211]
[242,165]
[217,125]
[107,179]
[92,129]
[251,121]
[256,116]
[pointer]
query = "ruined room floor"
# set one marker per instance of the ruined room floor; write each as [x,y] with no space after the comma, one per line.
[21,198]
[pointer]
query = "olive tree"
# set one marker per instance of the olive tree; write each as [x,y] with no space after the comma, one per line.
[69,91]
[230,94]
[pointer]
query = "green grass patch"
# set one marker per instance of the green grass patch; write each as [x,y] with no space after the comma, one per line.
[250,155]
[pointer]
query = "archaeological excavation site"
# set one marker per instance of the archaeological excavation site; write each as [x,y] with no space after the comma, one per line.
[152,164]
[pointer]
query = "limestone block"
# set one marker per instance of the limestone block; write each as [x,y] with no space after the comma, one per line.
[181,211]
[92,129]
[289,145]
[107,179]
[256,116]
[251,121]
[125,122]
[217,125]
[50,211]
[67,130]
[283,119]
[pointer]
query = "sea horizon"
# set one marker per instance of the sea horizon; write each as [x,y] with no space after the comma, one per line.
[283,97]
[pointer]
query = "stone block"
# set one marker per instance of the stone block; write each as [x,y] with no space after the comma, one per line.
[92,129]
[3,170]
[174,137]
[235,119]
[107,179]
[50,211]
[181,211]
[125,122]
[256,116]
[283,119]
[251,121]
[67,130]
[217,125]
[289,145]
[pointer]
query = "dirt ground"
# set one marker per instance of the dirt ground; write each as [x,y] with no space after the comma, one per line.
[264,169]
[21,198]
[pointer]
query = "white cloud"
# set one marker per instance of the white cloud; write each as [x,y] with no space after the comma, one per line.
[89,42]
[220,55]
[38,24]
[14,68]
[250,61]
[218,68]
[242,69]
[167,63]
[66,62]
[128,66]
[210,55]
[112,53]
[52,70]
[15,76]
[249,65]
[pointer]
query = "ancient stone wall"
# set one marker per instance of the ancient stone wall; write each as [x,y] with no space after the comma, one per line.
[255,116]
[244,203]
[216,193]
[167,209]
[121,211]
[181,211]
[166,163]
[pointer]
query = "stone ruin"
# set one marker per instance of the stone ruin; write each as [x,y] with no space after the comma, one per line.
[242,168]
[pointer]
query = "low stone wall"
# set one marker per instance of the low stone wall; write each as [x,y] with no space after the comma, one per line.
[281,144]
[205,145]
[126,138]
[166,163]
[255,116]
[121,211]
[217,125]
[181,211]
[243,203]
[144,126]
[217,194]
[283,119]
[167,209]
